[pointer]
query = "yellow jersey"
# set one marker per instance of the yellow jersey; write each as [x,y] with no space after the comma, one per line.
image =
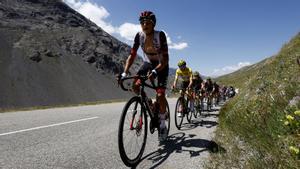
[185,74]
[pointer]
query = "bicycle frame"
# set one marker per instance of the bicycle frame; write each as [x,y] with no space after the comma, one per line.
[142,93]
[136,124]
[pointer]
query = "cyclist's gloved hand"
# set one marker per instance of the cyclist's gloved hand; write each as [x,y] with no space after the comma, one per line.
[153,74]
[123,75]
[120,77]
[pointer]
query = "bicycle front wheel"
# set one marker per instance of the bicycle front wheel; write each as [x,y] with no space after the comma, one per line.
[168,119]
[179,112]
[132,132]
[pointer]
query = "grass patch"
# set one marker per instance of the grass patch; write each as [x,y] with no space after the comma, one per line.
[268,93]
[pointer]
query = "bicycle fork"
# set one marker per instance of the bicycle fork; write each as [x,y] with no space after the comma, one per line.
[139,123]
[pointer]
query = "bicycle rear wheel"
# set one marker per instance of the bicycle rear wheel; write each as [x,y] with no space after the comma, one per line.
[208,104]
[197,108]
[188,111]
[179,109]
[132,132]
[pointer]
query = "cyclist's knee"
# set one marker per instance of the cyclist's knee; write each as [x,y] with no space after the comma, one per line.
[182,92]
[160,92]
[136,85]
[161,97]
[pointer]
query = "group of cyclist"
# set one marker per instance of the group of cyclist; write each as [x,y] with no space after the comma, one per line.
[195,87]
[156,65]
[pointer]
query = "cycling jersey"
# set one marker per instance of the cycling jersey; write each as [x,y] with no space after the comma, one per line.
[197,84]
[151,60]
[209,86]
[185,74]
[159,43]
[216,88]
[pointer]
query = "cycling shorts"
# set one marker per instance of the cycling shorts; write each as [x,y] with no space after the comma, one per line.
[162,76]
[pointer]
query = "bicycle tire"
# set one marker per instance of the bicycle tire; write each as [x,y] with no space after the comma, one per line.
[178,123]
[131,162]
[188,111]
[168,119]
[201,107]
[197,108]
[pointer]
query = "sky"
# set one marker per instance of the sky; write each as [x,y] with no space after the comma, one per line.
[214,37]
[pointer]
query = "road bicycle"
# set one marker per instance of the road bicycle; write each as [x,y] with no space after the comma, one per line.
[198,105]
[133,124]
[182,109]
[209,101]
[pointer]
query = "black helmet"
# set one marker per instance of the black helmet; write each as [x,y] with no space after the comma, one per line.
[147,15]
[196,74]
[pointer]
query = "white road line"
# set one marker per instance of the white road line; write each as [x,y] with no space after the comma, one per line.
[51,125]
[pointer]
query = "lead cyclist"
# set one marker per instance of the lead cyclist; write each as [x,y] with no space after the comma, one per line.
[156,61]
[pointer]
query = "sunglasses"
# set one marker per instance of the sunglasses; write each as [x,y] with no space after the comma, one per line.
[183,66]
[146,21]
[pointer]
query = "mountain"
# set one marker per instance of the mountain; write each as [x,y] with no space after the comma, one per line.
[52,55]
[260,125]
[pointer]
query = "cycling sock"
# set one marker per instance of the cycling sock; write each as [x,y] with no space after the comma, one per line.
[162,120]
[192,105]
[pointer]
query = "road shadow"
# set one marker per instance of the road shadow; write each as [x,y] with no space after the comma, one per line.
[210,114]
[200,121]
[211,110]
[205,123]
[187,126]
[178,143]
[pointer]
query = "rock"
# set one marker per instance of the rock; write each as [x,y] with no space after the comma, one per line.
[91,59]
[294,101]
[13,15]
[73,23]
[52,54]
[36,57]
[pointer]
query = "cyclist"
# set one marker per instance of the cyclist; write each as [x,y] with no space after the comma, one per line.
[186,75]
[196,86]
[156,62]
[231,92]
[216,92]
[209,88]
[203,91]
[223,93]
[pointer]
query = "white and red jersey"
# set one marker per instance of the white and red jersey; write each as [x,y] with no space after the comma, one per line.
[159,44]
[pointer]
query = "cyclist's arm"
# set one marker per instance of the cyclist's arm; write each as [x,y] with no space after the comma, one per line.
[213,90]
[133,54]
[191,78]
[176,79]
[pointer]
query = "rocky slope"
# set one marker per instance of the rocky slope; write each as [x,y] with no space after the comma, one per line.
[52,55]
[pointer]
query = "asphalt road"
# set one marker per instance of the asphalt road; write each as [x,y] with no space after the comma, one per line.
[86,137]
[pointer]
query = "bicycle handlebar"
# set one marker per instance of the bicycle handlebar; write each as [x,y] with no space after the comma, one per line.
[142,78]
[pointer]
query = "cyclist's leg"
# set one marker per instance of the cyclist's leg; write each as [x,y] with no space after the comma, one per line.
[194,95]
[161,99]
[192,99]
[210,99]
[183,89]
